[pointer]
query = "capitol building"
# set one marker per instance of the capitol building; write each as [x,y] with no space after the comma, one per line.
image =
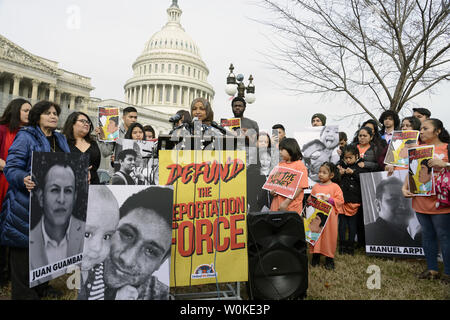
[34,78]
[166,77]
[170,72]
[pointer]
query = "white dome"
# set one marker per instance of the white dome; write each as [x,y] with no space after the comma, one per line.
[170,71]
[171,37]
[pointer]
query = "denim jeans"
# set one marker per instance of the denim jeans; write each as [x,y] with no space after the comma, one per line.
[435,228]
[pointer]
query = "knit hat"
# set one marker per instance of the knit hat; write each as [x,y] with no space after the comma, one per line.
[321,116]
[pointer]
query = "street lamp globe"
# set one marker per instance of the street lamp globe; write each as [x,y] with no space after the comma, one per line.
[250,98]
[231,89]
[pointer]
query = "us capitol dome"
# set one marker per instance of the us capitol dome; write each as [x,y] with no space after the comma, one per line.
[170,72]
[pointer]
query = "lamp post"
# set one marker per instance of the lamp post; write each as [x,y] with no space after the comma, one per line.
[236,84]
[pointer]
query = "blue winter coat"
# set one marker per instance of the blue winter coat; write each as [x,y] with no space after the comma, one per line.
[14,218]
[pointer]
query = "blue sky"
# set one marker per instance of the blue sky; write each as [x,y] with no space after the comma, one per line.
[108,36]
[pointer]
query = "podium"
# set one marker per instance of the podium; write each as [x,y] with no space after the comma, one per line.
[209,228]
[203,142]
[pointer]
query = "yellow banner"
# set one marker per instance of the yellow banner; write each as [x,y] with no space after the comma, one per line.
[209,237]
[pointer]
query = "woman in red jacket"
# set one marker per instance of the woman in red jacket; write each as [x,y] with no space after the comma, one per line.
[14,117]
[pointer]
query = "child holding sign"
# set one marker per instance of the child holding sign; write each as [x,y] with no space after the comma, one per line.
[291,158]
[329,191]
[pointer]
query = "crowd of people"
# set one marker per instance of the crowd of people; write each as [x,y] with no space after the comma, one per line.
[25,128]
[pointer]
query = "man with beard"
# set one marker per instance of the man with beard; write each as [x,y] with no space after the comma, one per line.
[249,127]
[395,225]
[140,246]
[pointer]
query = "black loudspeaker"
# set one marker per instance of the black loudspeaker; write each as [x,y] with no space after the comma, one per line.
[277,256]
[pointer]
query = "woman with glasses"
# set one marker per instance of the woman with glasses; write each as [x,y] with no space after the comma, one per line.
[78,129]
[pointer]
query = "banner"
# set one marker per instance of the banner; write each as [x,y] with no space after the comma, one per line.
[108,121]
[57,213]
[209,240]
[135,162]
[284,181]
[397,153]
[232,124]
[421,179]
[315,214]
[127,243]
[390,223]
[318,145]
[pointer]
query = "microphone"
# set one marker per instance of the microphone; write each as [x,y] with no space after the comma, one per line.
[194,120]
[218,127]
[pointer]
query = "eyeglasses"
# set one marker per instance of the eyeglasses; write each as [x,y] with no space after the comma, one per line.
[84,121]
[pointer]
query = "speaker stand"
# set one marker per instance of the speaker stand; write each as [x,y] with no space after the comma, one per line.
[231,293]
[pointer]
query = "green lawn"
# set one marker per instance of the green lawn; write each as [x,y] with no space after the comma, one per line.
[398,281]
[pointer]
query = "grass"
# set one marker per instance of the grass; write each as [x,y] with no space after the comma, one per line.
[347,282]
[398,280]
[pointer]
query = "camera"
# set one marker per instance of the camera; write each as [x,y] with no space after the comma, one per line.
[175,118]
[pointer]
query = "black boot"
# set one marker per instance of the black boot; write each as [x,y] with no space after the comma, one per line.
[342,247]
[329,263]
[315,261]
[350,248]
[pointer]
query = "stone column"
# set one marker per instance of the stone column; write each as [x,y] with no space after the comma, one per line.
[182,96]
[163,100]
[16,85]
[72,102]
[34,90]
[51,96]
[175,95]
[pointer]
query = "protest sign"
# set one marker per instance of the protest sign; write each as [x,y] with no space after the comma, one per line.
[135,162]
[390,223]
[232,124]
[126,252]
[397,153]
[318,145]
[284,181]
[420,175]
[108,121]
[57,213]
[209,240]
[316,214]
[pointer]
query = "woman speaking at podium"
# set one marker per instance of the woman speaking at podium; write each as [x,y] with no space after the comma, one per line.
[202,119]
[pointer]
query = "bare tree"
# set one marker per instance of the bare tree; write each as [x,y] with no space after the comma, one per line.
[381,54]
